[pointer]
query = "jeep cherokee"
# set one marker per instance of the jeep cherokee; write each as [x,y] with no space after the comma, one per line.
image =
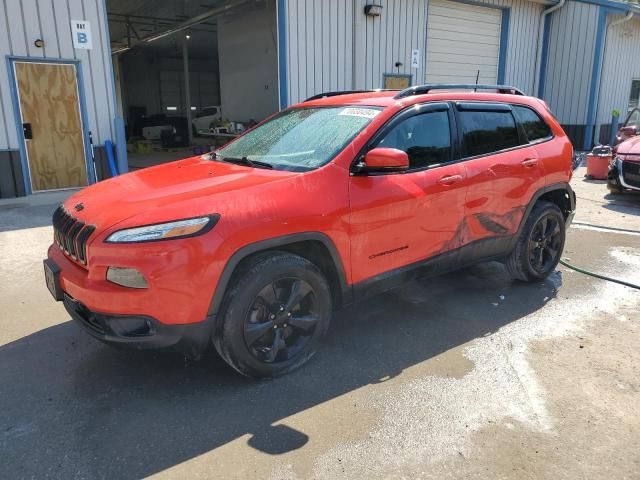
[342,196]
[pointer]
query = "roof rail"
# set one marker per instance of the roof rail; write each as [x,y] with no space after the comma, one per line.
[346,92]
[423,89]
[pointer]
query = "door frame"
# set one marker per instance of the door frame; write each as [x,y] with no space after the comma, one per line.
[17,113]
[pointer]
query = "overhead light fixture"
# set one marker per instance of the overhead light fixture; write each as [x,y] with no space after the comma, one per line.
[373,10]
[187,36]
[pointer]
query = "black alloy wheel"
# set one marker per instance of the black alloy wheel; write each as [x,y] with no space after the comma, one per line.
[274,316]
[281,320]
[539,245]
[545,243]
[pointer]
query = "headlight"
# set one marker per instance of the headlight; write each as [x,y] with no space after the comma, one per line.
[162,231]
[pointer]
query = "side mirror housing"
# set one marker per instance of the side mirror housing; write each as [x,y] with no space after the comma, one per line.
[629,130]
[384,160]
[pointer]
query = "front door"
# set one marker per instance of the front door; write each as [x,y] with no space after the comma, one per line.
[52,126]
[403,218]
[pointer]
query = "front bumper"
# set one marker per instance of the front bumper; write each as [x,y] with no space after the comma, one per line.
[617,171]
[141,332]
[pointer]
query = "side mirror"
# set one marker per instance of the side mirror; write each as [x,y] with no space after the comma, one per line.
[629,130]
[385,160]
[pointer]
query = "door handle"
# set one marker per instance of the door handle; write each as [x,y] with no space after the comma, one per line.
[450,179]
[530,162]
[26,129]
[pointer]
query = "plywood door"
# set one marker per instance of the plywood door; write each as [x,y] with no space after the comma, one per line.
[49,102]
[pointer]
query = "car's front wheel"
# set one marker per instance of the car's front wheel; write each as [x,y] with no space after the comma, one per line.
[540,244]
[274,315]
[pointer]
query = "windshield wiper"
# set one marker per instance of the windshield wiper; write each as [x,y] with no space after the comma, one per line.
[245,161]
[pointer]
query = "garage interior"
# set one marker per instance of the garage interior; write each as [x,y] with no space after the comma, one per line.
[191,74]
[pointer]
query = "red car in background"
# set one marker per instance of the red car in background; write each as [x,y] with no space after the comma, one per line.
[624,171]
[342,196]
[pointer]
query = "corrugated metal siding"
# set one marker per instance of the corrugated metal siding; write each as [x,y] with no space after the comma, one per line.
[383,41]
[24,21]
[621,66]
[524,22]
[323,36]
[568,74]
[319,47]
[522,44]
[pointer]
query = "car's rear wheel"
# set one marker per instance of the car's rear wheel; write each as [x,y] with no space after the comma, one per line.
[274,315]
[540,245]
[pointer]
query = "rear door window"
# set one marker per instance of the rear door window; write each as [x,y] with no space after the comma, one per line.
[534,126]
[487,131]
[426,138]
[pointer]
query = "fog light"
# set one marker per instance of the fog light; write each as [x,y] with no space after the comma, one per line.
[127,277]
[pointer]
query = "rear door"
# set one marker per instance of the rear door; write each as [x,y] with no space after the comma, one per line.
[503,169]
[398,219]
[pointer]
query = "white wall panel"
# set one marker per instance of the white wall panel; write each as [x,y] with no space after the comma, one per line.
[24,21]
[249,65]
[570,61]
[462,41]
[621,66]
[332,45]
[319,47]
[522,42]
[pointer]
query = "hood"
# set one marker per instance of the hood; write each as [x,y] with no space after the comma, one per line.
[630,147]
[167,192]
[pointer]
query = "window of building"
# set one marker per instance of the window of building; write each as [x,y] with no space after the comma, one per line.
[426,138]
[534,126]
[488,131]
[634,96]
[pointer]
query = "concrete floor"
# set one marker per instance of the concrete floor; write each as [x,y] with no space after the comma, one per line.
[465,376]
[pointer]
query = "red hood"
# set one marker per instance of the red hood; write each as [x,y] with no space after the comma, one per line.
[167,191]
[630,147]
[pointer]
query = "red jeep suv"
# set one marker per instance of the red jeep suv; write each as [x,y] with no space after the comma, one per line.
[344,195]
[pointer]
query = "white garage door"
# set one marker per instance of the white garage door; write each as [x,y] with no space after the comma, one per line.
[462,39]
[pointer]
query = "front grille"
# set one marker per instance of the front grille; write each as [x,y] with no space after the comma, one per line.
[631,173]
[71,234]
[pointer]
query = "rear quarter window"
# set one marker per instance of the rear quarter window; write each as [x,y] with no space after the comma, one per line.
[486,132]
[534,126]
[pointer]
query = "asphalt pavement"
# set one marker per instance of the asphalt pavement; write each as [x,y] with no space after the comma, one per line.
[469,375]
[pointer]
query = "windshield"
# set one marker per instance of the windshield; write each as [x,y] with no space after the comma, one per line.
[301,139]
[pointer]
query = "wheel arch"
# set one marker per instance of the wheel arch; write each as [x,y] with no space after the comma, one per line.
[316,247]
[560,194]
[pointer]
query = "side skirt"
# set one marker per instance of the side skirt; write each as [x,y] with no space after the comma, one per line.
[475,252]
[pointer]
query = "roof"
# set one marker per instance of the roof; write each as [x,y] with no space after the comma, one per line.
[386,98]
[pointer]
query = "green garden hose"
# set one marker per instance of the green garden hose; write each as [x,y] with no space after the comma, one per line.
[597,275]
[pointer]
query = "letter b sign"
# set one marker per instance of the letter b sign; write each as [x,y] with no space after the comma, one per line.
[81,31]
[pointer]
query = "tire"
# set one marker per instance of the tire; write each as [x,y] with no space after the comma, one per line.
[194,131]
[614,187]
[264,332]
[524,261]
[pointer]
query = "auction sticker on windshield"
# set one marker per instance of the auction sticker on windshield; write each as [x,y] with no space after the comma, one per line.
[360,112]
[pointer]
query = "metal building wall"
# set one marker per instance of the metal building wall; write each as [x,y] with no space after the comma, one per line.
[332,45]
[621,64]
[524,22]
[319,53]
[24,21]
[572,39]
